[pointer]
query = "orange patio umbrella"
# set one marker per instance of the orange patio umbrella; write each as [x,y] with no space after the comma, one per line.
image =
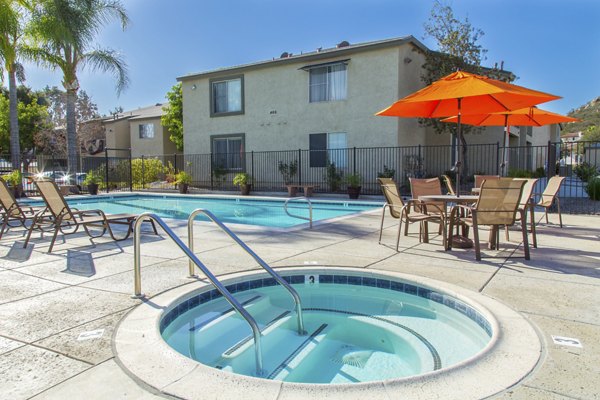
[528,116]
[464,93]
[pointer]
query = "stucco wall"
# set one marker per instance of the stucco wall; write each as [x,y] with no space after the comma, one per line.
[278,115]
[117,134]
[150,146]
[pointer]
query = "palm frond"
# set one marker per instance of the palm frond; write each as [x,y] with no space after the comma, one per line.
[107,60]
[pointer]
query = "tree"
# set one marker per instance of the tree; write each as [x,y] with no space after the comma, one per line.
[12,21]
[173,117]
[458,49]
[53,138]
[65,30]
[591,134]
[33,115]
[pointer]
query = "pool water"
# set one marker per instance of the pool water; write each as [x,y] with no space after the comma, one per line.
[268,213]
[355,332]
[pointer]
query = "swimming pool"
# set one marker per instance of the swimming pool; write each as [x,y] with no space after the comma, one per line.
[247,211]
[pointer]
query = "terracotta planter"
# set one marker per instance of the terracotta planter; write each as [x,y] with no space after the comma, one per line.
[183,188]
[354,191]
[292,190]
[245,189]
[92,188]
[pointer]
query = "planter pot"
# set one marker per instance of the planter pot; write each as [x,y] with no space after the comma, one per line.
[17,191]
[292,190]
[245,189]
[354,191]
[183,188]
[92,188]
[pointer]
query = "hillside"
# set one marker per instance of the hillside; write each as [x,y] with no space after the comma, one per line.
[589,114]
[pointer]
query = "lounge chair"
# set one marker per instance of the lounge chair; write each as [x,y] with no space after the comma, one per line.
[403,212]
[550,195]
[63,217]
[13,211]
[449,185]
[498,205]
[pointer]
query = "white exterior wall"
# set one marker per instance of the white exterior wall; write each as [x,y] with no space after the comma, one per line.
[375,79]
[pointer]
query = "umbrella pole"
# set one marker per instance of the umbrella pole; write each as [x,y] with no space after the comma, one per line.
[505,138]
[459,157]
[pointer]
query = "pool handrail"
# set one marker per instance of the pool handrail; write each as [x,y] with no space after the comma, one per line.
[259,260]
[310,210]
[213,279]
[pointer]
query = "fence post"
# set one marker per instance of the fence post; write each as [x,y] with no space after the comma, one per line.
[252,165]
[143,174]
[130,172]
[175,162]
[299,166]
[106,168]
[498,161]
[211,171]
[551,161]
[354,161]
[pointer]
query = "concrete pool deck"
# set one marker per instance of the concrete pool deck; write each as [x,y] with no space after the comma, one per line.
[58,311]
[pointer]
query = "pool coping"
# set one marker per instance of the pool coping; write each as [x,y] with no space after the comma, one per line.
[513,352]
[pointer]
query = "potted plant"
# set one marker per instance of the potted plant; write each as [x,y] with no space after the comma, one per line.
[288,171]
[183,180]
[244,181]
[15,181]
[353,181]
[92,180]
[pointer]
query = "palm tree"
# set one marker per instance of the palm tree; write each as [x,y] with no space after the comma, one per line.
[65,31]
[11,34]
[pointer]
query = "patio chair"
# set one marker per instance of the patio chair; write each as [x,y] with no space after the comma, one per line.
[64,218]
[550,195]
[424,187]
[402,211]
[498,205]
[13,211]
[526,204]
[449,185]
[479,180]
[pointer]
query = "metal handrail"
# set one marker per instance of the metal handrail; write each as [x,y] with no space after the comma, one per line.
[259,260]
[310,219]
[190,254]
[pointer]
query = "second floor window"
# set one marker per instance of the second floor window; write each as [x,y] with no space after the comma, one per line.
[146,131]
[227,96]
[328,83]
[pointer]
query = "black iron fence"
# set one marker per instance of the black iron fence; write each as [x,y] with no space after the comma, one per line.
[328,170]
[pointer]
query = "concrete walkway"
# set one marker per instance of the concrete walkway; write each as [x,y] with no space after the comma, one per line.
[58,311]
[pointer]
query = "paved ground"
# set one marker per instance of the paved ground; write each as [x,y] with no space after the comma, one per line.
[48,300]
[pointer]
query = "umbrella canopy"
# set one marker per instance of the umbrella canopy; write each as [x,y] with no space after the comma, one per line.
[478,94]
[529,116]
[464,93]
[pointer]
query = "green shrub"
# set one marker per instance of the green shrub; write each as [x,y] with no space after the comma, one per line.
[152,170]
[353,180]
[540,172]
[14,178]
[242,179]
[585,171]
[333,177]
[183,178]
[519,173]
[288,171]
[593,188]
[387,172]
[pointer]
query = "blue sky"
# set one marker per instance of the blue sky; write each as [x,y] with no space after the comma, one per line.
[551,45]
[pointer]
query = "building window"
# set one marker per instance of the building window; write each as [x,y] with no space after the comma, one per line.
[228,152]
[146,131]
[227,96]
[331,147]
[328,83]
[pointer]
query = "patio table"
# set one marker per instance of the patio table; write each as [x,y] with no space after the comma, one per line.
[458,241]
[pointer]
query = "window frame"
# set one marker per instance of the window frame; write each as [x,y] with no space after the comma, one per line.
[140,131]
[316,154]
[327,66]
[228,137]
[211,83]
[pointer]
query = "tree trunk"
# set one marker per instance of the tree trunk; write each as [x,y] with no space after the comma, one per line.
[15,148]
[72,145]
